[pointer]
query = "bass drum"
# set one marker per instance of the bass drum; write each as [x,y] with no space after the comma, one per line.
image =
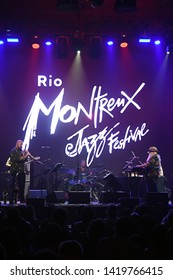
[78,187]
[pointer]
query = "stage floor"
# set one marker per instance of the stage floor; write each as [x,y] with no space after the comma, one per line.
[126,205]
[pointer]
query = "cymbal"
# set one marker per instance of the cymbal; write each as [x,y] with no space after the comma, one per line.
[108,175]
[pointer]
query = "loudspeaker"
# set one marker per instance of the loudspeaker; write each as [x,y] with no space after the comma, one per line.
[37,193]
[79,197]
[56,197]
[111,197]
[111,183]
[153,198]
[130,202]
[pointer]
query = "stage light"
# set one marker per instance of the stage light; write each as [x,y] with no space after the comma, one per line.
[95,47]
[144,40]
[11,37]
[157,42]
[78,44]
[110,42]
[61,47]
[1,42]
[13,40]
[123,42]
[35,46]
[125,5]
[35,43]
[169,49]
[48,43]
[96,3]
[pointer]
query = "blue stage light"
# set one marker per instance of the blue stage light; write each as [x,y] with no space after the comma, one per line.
[48,43]
[110,43]
[157,42]
[13,40]
[144,40]
[169,49]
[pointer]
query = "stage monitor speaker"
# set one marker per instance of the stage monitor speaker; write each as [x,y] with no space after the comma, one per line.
[112,197]
[37,193]
[111,183]
[56,197]
[153,198]
[79,197]
[129,202]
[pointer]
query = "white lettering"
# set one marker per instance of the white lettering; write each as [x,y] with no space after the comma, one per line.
[94,144]
[99,106]
[48,82]
[130,100]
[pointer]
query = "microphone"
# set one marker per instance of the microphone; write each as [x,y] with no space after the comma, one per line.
[45,147]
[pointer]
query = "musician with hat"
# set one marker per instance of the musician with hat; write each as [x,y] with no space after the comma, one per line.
[153,169]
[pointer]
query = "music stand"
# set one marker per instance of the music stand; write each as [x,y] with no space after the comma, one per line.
[54,170]
[56,167]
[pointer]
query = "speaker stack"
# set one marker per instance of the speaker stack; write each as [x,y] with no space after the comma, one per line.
[112,197]
[79,197]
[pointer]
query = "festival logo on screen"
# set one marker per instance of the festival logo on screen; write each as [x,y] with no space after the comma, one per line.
[100,105]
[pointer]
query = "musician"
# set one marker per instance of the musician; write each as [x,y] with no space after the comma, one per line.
[83,172]
[153,169]
[17,171]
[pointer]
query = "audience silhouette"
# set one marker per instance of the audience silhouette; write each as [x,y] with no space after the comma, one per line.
[87,234]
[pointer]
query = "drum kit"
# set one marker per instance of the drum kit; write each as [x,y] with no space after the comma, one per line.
[94,182]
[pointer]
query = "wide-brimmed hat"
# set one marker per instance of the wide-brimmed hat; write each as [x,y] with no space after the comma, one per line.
[153,149]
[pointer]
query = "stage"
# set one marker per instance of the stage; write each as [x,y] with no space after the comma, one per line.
[156,204]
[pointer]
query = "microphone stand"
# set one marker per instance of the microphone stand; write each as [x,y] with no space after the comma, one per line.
[130,162]
[127,168]
[77,168]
